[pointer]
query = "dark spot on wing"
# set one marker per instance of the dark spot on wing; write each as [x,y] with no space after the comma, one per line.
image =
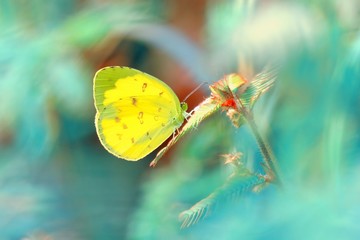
[140,117]
[117,119]
[161,93]
[144,86]
[134,101]
[125,126]
[159,109]
[148,134]
[132,140]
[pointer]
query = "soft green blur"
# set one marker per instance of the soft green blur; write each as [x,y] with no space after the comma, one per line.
[57,181]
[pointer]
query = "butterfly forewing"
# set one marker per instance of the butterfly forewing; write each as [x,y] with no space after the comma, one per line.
[114,83]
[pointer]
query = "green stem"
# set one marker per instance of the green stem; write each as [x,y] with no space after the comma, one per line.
[271,167]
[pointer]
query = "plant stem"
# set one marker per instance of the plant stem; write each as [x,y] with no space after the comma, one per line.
[271,167]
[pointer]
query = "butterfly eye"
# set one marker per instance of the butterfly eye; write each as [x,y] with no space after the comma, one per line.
[184,106]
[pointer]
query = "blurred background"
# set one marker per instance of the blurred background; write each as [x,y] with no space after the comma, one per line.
[58,182]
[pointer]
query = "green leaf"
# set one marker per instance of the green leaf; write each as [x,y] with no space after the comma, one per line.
[233,188]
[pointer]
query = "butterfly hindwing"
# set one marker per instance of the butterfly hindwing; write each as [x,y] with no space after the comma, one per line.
[131,132]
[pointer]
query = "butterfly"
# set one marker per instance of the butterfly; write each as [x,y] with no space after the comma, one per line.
[135,112]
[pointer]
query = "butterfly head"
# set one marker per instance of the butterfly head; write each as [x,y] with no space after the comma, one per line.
[184,106]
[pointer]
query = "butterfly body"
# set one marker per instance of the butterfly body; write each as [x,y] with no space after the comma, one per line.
[135,111]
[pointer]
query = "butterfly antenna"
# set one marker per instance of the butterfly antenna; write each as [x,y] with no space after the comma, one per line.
[192,92]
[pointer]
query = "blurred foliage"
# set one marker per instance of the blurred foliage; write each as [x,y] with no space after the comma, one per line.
[57,181]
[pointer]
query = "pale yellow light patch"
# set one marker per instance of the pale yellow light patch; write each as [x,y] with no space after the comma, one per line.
[235,81]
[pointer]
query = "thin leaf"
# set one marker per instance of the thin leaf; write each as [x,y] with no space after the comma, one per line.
[233,189]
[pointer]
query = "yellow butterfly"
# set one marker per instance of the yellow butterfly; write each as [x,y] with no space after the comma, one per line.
[135,112]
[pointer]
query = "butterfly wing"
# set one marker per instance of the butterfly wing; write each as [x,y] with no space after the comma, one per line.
[114,83]
[135,112]
[132,132]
